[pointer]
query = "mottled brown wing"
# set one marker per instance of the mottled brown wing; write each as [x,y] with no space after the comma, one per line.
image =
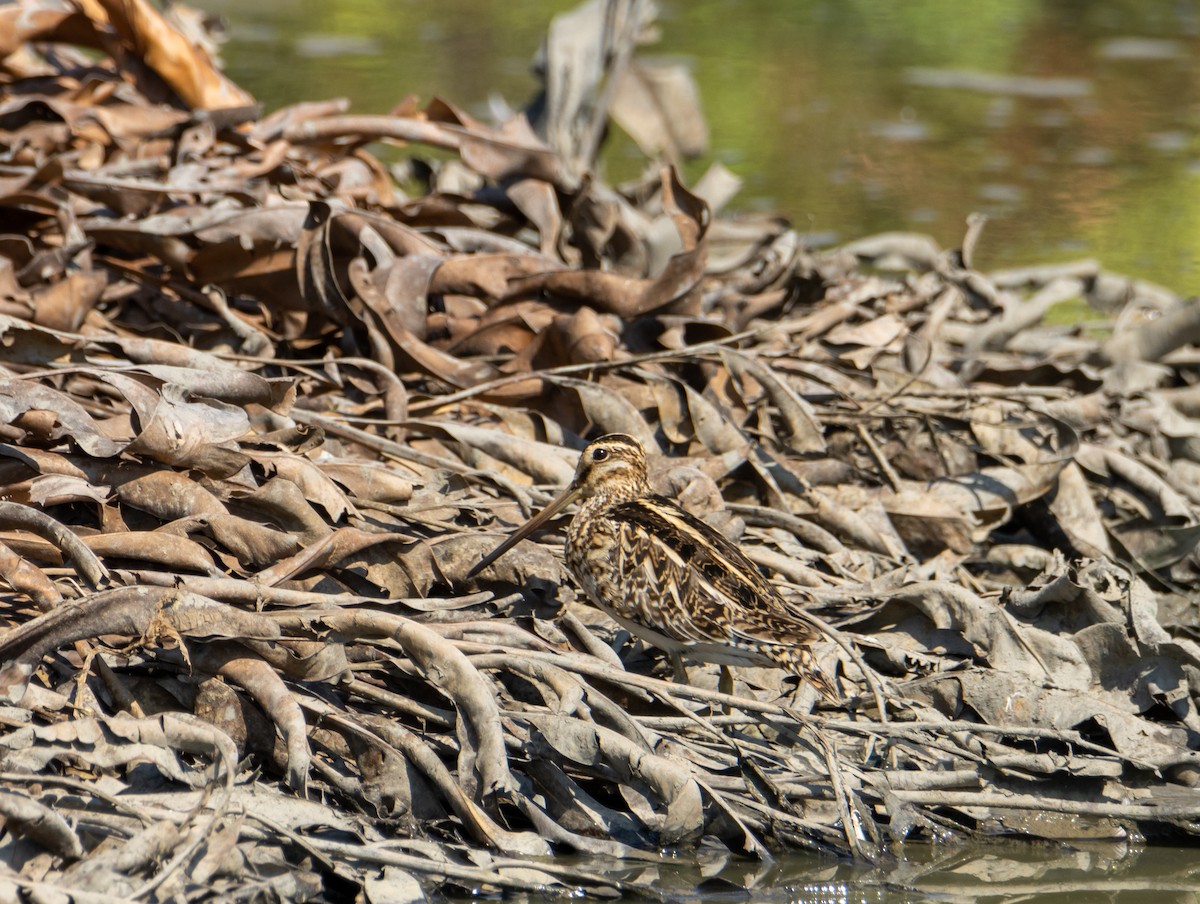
[720,594]
[663,593]
[698,544]
[706,589]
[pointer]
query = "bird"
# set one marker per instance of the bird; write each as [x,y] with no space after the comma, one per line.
[668,577]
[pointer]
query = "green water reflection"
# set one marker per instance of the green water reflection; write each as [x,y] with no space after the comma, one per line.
[818,106]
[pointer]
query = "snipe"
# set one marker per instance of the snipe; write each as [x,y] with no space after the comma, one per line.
[667,576]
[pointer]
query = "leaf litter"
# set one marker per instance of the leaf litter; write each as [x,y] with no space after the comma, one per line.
[264,410]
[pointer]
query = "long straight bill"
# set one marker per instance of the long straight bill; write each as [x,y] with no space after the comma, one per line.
[567,497]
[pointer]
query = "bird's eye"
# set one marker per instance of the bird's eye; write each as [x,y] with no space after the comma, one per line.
[599,454]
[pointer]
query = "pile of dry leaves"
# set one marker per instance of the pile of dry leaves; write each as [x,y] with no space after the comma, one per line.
[262,412]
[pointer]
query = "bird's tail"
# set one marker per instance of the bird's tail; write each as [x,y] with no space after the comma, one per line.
[801,661]
[823,683]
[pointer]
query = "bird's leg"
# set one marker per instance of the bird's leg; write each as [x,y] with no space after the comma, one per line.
[725,686]
[680,673]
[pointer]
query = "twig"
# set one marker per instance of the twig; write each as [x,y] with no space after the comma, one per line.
[680,354]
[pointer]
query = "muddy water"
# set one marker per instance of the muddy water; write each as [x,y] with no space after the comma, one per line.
[1004,872]
[1073,124]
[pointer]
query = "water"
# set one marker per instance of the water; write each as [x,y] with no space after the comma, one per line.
[1003,872]
[1072,124]
[837,112]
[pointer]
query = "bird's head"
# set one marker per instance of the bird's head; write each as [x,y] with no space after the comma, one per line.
[613,465]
